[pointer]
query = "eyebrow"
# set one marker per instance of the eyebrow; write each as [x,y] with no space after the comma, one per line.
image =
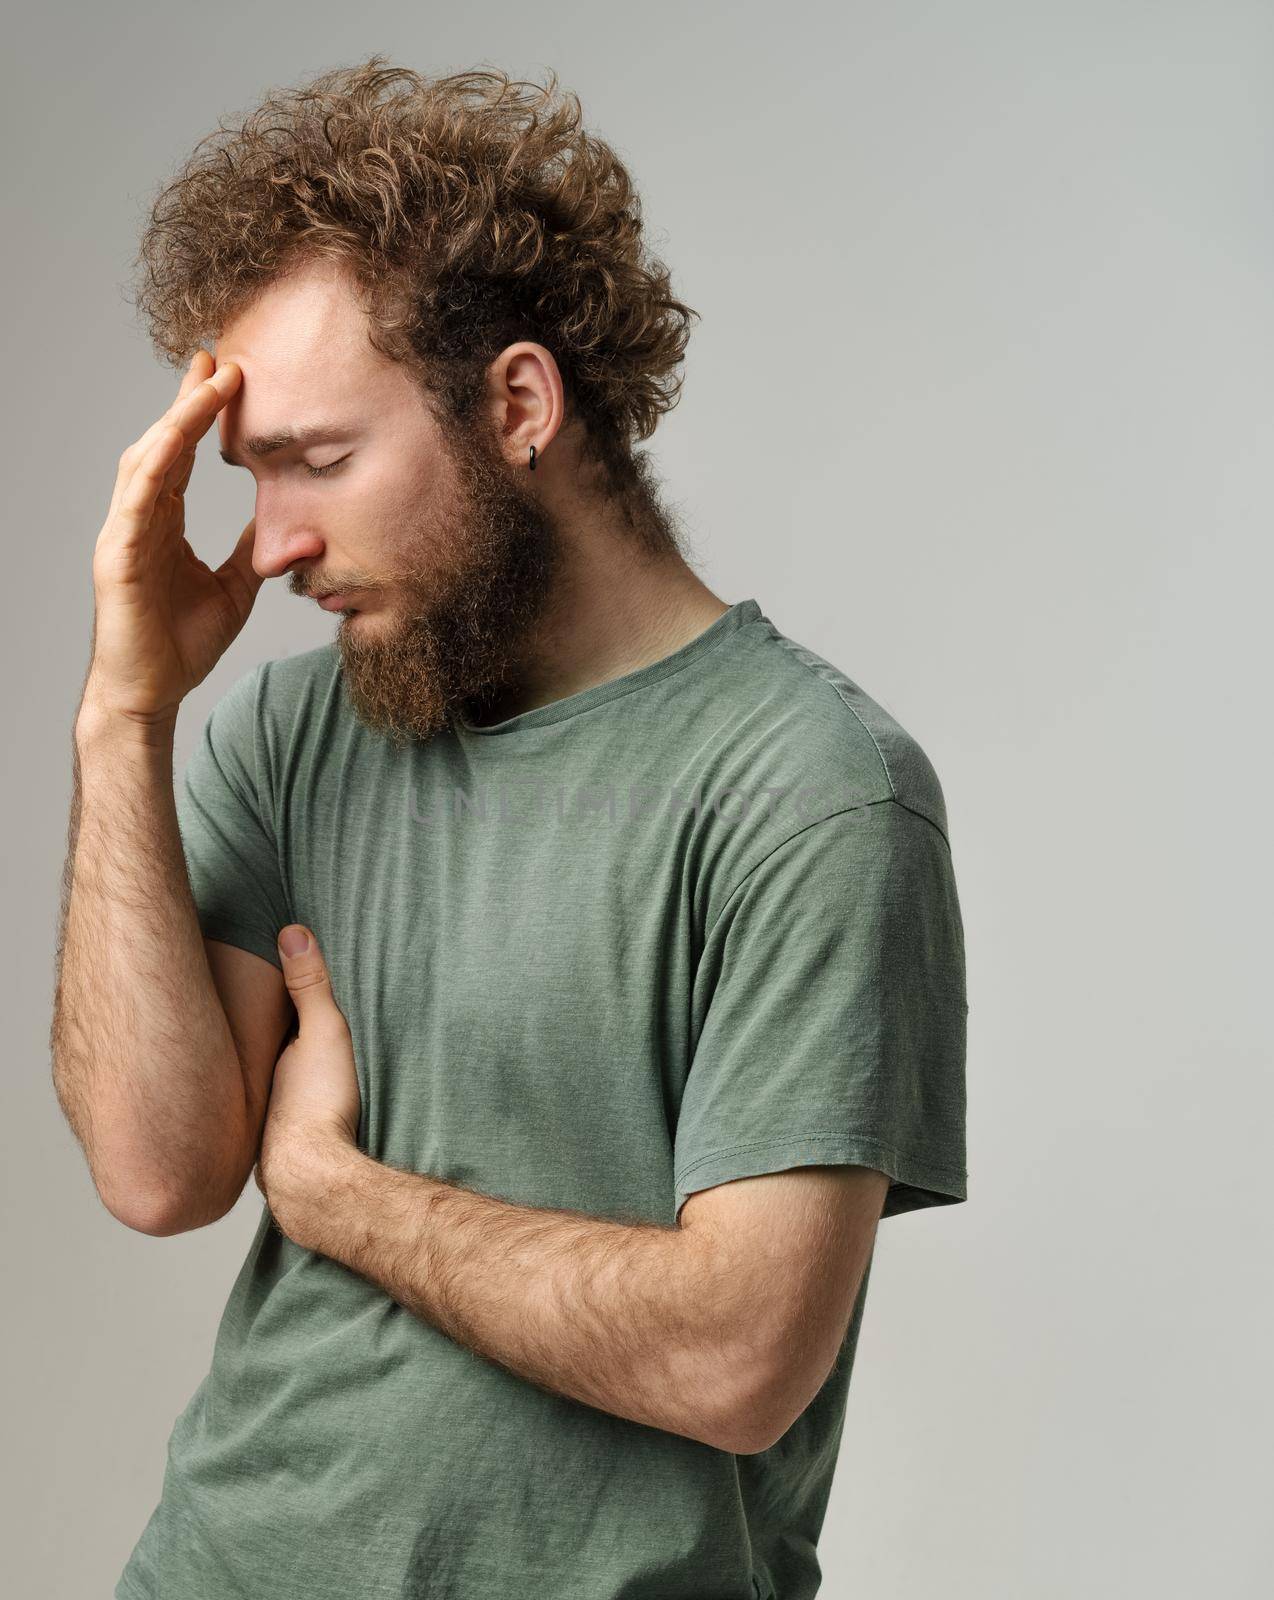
[267,444]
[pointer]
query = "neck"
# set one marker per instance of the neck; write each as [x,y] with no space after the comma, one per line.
[614,608]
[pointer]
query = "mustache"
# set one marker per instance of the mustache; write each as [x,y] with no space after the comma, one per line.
[307,587]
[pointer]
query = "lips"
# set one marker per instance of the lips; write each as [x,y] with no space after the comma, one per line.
[336,602]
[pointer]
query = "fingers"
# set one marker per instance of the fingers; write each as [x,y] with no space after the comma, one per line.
[194,414]
[194,424]
[178,480]
[199,370]
[202,394]
[138,450]
[201,364]
[133,513]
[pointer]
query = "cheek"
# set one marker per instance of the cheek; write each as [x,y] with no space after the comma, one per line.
[398,518]
[351,513]
[405,492]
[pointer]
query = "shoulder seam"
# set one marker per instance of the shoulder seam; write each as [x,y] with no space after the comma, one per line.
[806,658]
[844,810]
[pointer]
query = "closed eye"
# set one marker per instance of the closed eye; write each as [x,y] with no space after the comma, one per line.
[322,472]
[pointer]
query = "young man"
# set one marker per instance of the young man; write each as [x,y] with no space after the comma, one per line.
[574,959]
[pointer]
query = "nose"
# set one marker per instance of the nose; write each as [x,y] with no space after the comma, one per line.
[281,542]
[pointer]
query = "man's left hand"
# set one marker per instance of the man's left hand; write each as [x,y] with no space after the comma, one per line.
[314,1106]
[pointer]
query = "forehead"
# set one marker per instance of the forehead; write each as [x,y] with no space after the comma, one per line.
[311,318]
[304,351]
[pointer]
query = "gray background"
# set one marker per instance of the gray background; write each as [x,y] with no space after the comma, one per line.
[980,409]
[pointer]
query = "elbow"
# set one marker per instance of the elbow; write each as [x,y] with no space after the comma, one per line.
[752,1433]
[161,1213]
[155,1215]
[765,1407]
[746,1434]
[752,1422]
[160,1204]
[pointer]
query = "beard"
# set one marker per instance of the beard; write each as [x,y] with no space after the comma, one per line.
[462,616]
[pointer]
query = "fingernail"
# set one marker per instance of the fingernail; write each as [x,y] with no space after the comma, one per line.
[294,941]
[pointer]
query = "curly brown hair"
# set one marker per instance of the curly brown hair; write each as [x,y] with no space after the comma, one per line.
[472,210]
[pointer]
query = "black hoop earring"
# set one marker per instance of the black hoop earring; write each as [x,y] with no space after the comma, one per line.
[532,467]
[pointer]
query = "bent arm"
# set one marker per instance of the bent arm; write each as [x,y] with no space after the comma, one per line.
[655,1324]
[162,1075]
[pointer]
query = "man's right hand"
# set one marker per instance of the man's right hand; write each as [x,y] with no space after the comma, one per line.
[162,618]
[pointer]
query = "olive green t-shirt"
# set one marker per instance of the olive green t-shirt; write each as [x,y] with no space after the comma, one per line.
[690,925]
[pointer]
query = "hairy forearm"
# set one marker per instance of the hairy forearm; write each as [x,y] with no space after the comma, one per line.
[644,1321]
[144,1063]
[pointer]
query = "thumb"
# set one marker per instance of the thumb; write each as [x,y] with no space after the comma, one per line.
[239,561]
[305,973]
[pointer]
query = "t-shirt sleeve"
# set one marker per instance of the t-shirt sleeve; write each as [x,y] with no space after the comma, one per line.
[832,992]
[227,828]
